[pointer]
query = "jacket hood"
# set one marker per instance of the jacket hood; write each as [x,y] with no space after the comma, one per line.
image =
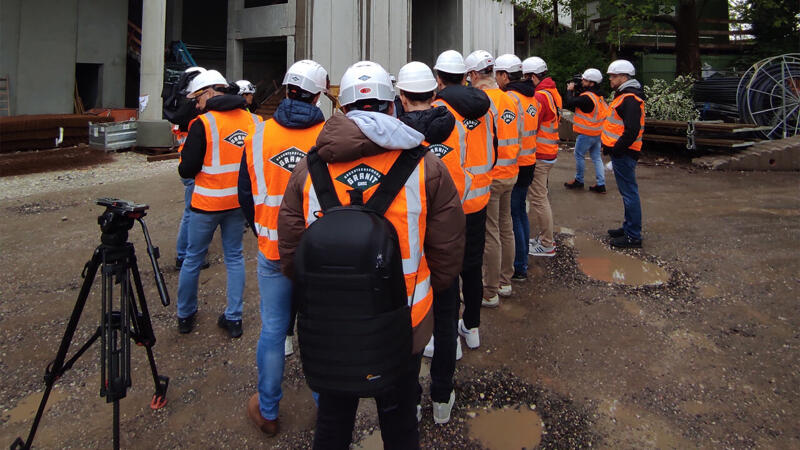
[547,83]
[523,87]
[631,86]
[435,123]
[468,101]
[297,114]
[385,130]
[342,138]
[225,102]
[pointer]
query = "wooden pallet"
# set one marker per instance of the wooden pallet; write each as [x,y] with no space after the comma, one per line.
[158,153]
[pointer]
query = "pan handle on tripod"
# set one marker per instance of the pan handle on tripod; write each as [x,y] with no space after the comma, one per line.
[154,255]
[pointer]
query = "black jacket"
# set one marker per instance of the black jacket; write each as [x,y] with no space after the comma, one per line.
[293,114]
[574,100]
[523,87]
[435,123]
[631,114]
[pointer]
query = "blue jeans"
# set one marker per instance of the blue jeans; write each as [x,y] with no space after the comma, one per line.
[276,303]
[519,219]
[625,174]
[183,232]
[201,232]
[591,144]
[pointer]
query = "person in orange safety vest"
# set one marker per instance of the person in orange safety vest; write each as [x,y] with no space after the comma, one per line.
[590,113]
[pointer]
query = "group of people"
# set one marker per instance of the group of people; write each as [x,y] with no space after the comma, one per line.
[489,131]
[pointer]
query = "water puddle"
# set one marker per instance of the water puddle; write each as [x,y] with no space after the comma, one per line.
[599,262]
[506,428]
[27,407]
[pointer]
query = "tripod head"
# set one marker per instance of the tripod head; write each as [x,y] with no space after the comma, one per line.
[117,220]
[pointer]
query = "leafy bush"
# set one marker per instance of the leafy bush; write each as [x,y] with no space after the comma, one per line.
[569,54]
[671,101]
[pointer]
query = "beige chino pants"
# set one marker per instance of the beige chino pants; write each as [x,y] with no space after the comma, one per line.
[542,215]
[498,256]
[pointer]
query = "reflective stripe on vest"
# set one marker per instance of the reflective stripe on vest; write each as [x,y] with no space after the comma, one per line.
[453,153]
[479,158]
[271,152]
[613,126]
[216,184]
[528,109]
[407,213]
[547,137]
[590,125]
[506,119]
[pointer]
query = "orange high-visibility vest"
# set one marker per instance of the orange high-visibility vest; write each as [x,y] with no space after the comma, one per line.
[547,136]
[613,127]
[453,153]
[215,187]
[407,213]
[528,110]
[505,117]
[591,124]
[480,157]
[272,151]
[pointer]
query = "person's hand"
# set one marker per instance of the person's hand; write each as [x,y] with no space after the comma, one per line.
[570,85]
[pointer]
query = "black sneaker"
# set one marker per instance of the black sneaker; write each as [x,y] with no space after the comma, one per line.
[574,184]
[186,325]
[626,242]
[233,327]
[618,232]
[179,264]
[600,189]
[519,276]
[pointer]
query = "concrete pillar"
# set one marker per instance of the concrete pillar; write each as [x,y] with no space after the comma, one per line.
[234,56]
[154,13]
[174,20]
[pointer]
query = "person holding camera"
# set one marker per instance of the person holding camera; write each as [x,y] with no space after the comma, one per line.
[590,113]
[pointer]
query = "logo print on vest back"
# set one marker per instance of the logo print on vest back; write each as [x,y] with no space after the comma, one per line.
[531,110]
[440,150]
[361,177]
[288,158]
[236,138]
[471,124]
[508,116]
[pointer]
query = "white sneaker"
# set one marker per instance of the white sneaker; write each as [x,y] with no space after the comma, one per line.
[459,353]
[471,336]
[541,250]
[505,291]
[288,348]
[428,352]
[493,302]
[441,411]
[419,412]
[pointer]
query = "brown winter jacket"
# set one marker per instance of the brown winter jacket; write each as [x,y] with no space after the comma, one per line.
[341,140]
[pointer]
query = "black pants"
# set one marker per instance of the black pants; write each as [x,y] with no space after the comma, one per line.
[472,269]
[397,414]
[445,321]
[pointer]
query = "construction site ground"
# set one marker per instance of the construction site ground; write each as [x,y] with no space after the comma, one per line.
[710,358]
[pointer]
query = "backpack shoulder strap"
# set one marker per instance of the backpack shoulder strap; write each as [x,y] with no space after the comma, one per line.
[321,180]
[395,179]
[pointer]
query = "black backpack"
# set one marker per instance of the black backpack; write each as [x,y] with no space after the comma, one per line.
[354,321]
[176,107]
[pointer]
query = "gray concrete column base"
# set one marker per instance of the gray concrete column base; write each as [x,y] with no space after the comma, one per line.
[154,133]
[779,154]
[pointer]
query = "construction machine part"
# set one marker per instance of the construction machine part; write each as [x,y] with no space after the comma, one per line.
[769,95]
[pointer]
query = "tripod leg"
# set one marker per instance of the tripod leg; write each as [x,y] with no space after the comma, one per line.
[56,368]
[143,335]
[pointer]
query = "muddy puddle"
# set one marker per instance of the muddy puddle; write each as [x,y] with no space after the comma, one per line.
[506,428]
[599,262]
[27,407]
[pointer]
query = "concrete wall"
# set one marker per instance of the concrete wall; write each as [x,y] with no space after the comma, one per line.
[42,40]
[435,27]
[102,33]
[488,25]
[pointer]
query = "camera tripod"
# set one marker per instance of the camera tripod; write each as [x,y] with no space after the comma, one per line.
[122,319]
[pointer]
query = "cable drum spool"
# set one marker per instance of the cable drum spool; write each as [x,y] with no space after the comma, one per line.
[769,95]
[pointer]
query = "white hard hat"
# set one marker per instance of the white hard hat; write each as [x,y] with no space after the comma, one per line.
[365,80]
[621,66]
[592,75]
[308,75]
[194,69]
[508,63]
[534,64]
[204,80]
[451,61]
[416,77]
[245,87]
[478,60]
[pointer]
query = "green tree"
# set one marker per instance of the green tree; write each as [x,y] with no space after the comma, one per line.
[774,23]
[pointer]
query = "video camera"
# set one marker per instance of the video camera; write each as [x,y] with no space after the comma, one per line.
[578,85]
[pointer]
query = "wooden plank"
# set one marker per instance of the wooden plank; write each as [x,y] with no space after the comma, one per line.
[703,142]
